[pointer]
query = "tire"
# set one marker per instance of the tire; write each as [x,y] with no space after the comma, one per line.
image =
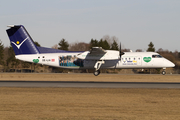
[163,72]
[96,73]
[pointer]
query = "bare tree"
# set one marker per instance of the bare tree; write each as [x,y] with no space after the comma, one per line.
[55,46]
[125,50]
[139,50]
[109,39]
[168,55]
[79,46]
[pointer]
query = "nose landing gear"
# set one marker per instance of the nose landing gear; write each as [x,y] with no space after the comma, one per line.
[164,71]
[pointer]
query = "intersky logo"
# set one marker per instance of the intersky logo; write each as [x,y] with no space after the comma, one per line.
[18,46]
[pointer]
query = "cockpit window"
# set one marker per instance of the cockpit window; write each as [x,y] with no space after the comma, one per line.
[156,56]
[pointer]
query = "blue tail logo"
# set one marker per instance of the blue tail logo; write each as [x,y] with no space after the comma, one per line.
[17,43]
[21,41]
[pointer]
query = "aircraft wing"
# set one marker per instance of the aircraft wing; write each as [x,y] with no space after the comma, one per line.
[96,53]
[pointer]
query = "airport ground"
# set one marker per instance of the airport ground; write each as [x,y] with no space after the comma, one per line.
[90,77]
[89,103]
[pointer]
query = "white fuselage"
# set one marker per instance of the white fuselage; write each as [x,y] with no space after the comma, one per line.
[110,60]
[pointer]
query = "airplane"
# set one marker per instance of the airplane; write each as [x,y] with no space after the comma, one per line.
[97,58]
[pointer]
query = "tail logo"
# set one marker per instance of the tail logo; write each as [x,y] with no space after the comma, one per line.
[17,43]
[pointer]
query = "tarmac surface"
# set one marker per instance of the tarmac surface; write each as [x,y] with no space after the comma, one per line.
[84,84]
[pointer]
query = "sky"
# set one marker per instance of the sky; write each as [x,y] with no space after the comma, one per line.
[135,23]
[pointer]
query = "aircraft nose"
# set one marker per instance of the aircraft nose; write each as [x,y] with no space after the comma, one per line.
[169,63]
[172,64]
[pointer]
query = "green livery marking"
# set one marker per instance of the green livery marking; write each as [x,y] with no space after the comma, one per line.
[35,60]
[147,59]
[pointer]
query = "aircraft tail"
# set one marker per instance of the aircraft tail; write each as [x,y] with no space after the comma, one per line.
[21,41]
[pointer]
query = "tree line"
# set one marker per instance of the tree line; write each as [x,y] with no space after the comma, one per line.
[64,45]
[9,63]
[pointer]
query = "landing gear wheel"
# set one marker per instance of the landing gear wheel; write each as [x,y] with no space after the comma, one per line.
[96,73]
[163,72]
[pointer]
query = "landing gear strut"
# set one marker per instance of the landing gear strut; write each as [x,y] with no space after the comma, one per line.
[97,67]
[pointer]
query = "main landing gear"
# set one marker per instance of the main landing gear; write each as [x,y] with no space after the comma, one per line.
[96,72]
[97,67]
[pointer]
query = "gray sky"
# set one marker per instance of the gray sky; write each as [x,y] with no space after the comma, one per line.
[134,22]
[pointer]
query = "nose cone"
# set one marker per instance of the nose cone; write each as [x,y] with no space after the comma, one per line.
[169,64]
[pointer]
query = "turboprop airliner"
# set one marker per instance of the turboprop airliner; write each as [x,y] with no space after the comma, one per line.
[97,58]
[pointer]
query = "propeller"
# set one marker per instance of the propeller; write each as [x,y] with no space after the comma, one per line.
[120,52]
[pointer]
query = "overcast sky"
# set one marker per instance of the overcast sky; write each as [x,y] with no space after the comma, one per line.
[134,22]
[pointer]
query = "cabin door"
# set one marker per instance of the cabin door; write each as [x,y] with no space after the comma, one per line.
[139,59]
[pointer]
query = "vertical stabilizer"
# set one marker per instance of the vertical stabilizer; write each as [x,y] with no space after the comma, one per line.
[21,41]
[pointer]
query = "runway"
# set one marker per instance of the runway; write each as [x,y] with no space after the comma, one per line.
[84,84]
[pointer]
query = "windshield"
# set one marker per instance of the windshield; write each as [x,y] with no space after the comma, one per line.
[156,56]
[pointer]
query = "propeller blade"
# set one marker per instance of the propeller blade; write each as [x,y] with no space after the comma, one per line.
[120,50]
